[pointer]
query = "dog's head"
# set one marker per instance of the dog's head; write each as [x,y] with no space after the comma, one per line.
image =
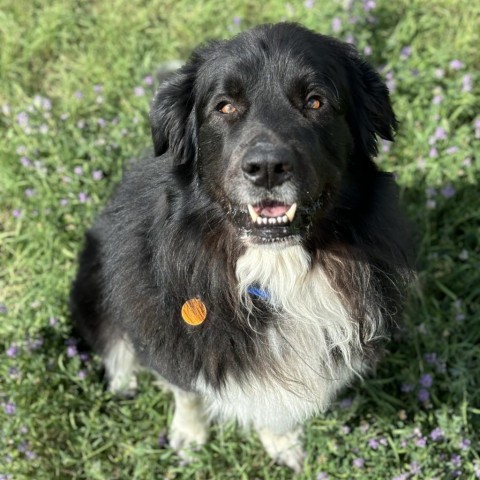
[273,125]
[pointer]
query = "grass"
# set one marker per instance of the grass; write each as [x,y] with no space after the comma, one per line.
[75,84]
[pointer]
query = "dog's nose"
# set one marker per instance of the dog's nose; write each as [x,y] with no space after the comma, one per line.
[268,167]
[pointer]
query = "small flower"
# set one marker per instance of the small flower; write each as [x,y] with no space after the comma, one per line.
[82,197]
[465,444]
[22,119]
[439,73]
[162,440]
[17,213]
[369,5]
[402,476]
[423,395]
[456,460]
[433,153]
[139,91]
[52,321]
[346,403]
[148,80]
[430,358]
[72,351]
[452,150]
[336,25]
[346,429]
[101,122]
[12,351]
[359,462]
[237,20]
[98,88]
[3,309]
[367,50]
[406,387]
[29,192]
[426,380]
[10,408]
[421,442]
[456,65]
[82,374]
[373,443]
[309,3]
[64,202]
[448,191]
[78,171]
[437,99]
[415,468]
[97,175]
[406,52]
[78,95]
[322,476]
[25,162]
[437,434]
[440,133]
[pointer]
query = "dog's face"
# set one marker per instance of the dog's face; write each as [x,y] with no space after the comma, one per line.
[273,125]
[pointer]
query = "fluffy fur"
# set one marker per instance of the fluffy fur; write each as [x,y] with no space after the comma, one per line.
[275,121]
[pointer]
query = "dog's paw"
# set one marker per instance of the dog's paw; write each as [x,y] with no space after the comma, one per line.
[121,386]
[285,449]
[186,436]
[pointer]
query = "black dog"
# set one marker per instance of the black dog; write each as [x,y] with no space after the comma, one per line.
[257,260]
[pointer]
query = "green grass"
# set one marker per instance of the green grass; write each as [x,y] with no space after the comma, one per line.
[56,420]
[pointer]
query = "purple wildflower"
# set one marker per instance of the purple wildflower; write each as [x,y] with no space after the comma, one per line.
[402,476]
[148,80]
[406,387]
[97,175]
[64,202]
[452,150]
[78,95]
[433,153]
[421,442]
[52,321]
[437,99]
[415,468]
[84,357]
[14,373]
[448,191]
[322,476]
[437,434]
[10,408]
[72,351]
[237,20]
[29,192]
[336,25]
[423,395]
[98,88]
[34,344]
[426,380]
[101,122]
[456,65]
[22,119]
[346,429]
[456,460]
[139,91]
[359,462]
[82,374]
[369,5]
[82,197]
[78,171]
[12,351]
[430,358]
[465,444]
[367,50]
[373,443]
[16,213]
[309,3]
[3,309]
[440,134]
[346,403]
[406,52]
[439,72]
[25,162]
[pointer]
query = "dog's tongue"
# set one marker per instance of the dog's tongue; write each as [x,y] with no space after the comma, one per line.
[272,210]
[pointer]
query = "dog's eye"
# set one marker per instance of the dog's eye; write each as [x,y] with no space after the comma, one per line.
[226,108]
[313,103]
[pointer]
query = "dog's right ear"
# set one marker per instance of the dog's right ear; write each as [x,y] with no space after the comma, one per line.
[172,116]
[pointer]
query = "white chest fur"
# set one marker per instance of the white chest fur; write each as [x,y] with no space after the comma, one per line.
[311,323]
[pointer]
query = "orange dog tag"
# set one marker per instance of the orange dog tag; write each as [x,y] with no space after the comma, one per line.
[194,311]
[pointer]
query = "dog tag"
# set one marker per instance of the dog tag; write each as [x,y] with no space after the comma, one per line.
[194,311]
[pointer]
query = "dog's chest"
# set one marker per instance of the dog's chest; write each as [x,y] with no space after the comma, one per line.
[306,353]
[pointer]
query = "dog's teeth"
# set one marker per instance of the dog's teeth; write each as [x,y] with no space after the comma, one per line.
[272,221]
[291,212]
[264,220]
[253,213]
[284,219]
[259,220]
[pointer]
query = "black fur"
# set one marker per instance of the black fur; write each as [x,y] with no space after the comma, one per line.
[176,225]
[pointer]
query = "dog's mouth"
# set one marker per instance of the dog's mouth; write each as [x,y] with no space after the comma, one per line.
[271,221]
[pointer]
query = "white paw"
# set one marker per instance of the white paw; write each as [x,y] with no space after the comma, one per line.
[123,386]
[186,436]
[285,449]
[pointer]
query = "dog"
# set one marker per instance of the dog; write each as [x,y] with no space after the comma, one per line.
[257,260]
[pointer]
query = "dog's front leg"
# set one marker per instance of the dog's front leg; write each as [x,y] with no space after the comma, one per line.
[286,448]
[189,426]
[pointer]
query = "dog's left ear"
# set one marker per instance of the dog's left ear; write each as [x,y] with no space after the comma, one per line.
[370,113]
[172,116]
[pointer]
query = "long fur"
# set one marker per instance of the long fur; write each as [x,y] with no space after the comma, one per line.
[178,228]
